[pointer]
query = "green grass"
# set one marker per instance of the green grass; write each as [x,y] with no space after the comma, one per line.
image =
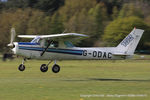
[76,78]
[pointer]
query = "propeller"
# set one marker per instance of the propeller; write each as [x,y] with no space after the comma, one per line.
[13,34]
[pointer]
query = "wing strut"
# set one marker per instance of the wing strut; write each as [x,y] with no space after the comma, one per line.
[46,48]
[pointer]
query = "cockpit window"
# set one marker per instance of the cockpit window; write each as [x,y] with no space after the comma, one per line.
[52,43]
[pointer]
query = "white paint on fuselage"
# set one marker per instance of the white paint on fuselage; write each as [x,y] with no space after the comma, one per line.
[100,53]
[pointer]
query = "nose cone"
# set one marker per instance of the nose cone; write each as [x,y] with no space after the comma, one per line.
[14,50]
[15,47]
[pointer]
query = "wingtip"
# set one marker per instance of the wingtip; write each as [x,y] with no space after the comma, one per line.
[84,35]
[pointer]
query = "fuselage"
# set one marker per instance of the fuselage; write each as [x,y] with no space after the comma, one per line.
[34,50]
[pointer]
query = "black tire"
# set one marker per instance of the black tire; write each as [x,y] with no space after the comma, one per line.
[44,68]
[21,67]
[56,68]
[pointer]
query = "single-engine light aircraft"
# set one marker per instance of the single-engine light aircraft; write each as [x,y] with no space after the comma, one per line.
[58,47]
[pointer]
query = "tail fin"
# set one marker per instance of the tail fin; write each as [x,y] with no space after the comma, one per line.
[130,42]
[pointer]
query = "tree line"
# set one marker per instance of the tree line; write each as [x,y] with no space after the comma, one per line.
[106,22]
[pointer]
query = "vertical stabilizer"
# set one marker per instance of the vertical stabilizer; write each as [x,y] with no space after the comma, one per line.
[130,42]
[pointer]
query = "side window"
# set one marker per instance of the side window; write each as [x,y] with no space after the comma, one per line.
[47,42]
[42,42]
[54,44]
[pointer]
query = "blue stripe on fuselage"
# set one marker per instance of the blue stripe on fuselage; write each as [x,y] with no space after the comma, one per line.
[65,51]
[28,43]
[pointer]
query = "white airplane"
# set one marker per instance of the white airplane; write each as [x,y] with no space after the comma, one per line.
[58,47]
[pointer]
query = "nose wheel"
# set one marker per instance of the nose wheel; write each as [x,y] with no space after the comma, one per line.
[21,67]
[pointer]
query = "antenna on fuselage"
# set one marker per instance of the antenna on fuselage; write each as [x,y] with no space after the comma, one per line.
[64,31]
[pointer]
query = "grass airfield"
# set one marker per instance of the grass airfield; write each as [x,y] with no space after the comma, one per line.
[77,80]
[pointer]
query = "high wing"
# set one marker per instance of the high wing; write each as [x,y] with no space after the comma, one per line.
[64,35]
[60,37]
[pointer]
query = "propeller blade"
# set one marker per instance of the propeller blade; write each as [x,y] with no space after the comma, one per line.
[13,34]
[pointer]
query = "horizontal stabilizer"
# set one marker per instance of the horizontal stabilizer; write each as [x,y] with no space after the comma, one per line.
[120,54]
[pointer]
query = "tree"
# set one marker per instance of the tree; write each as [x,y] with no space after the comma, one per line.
[56,24]
[100,16]
[115,13]
[83,23]
[71,7]
[119,28]
[31,3]
[9,19]
[38,23]
[75,17]
[49,6]
[16,4]
[110,4]
[130,10]
[2,5]
[147,20]
[26,21]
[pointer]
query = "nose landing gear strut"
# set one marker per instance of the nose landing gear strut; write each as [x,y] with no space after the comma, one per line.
[22,66]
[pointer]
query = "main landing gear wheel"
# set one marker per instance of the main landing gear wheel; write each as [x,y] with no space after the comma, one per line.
[21,67]
[56,68]
[44,68]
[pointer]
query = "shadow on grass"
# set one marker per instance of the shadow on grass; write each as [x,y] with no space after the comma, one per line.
[109,79]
